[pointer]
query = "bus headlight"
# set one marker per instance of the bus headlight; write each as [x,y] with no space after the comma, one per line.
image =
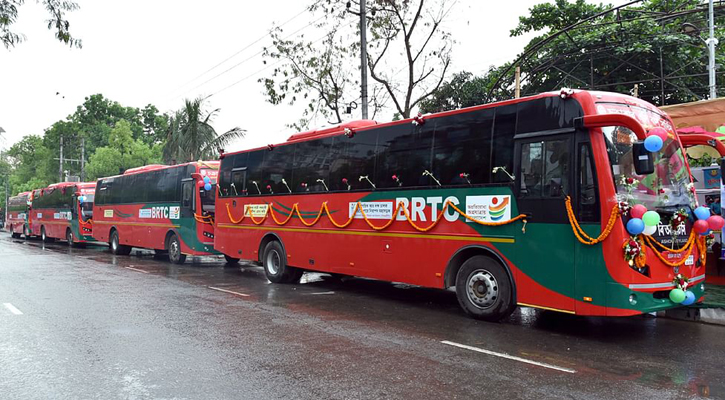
[632,299]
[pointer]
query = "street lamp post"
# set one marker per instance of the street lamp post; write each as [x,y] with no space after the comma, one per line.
[711,42]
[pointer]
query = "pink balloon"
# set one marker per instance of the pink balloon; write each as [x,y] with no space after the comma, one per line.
[637,211]
[658,132]
[200,183]
[716,222]
[701,226]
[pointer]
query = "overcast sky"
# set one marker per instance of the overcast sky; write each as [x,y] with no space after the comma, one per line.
[138,52]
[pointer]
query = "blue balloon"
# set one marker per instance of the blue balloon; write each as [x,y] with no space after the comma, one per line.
[702,212]
[81,199]
[635,226]
[206,179]
[689,298]
[653,143]
[207,186]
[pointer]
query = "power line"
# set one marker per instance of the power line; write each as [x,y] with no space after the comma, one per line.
[246,47]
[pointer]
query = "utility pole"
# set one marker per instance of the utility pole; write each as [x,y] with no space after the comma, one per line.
[711,42]
[83,159]
[364,59]
[517,90]
[60,170]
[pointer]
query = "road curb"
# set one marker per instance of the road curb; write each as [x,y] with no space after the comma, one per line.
[714,316]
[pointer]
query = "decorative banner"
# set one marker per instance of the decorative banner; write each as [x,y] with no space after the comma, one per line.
[712,178]
[373,209]
[174,212]
[488,208]
[256,210]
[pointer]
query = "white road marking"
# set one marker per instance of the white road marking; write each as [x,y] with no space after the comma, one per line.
[228,291]
[510,357]
[137,270]
[323,293]
[12,309]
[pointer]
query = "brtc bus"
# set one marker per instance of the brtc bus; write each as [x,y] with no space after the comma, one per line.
[513,203]
[158,207]
[63,211]
[17,214]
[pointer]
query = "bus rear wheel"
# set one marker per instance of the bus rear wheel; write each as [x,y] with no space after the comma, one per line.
[174,248]
[275,265]
[116,247]
[484,290]
[231,261]
[14,235]
[45,237]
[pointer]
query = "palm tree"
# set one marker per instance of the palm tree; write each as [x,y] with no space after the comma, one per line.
[191,136]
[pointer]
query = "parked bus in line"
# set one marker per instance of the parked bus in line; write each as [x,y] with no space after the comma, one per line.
[17,214]
[63,211]
[158,207]
[503,203]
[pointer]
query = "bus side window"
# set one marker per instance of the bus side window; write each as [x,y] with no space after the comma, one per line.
[545,168]
[531,169]
[588,207]
[239,179]
[186,192]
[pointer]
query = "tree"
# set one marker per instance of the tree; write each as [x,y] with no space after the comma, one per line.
[32,164]
[123,152]
[191,137]
[463,90]
[323,73]
[55,8]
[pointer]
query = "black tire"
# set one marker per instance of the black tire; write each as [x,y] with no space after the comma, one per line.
[173,246]
[69,237]
[484,289]
[231,261]
[275,265]
[116,247]
[15,235]
[43,237]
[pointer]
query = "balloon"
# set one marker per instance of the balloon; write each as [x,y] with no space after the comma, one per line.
[635,226]
[716,222]
[659,132]
[649,230]
[651,218]
[653,144]
[689,298]
[81,199]
[677,295]
[637,211]
[206,179]
[207,186]
[702,212]
[700,226]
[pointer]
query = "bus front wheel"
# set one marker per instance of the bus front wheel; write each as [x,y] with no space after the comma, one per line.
[116,247]
[484,289]
[275,265]
[231,261]
[174,247]
[69,237]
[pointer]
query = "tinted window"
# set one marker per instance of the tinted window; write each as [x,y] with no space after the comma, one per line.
[355,157]
[463,146]
[546,114]
[503,143]
[255,163]
[312,165]
[277,167]
[545,168]
[404,152]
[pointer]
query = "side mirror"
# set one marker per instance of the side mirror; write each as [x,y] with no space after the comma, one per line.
[722,170]
[644,163]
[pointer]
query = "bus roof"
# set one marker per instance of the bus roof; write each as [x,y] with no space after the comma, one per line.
[153,167]
[362,125]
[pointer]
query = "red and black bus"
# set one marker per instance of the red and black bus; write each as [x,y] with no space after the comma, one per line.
[168,209]
[522,202]
[63,211]
[16,219]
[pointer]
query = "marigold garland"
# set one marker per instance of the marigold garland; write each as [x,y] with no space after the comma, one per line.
[579,232]
[640,260]
[269,211]
[689,246]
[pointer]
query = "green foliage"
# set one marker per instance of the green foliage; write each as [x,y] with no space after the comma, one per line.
[123,152]
[191,136]
[56,10]
[463,90]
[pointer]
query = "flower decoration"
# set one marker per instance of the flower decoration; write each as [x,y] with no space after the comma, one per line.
[680,281]
[465,176]
[270,147]
[397,180]
[624,208]
[344,182]
[304,186]
[628,183]
[349,132]
[418,120]
[678,218]
[710,239]
[269,187]
[634,252]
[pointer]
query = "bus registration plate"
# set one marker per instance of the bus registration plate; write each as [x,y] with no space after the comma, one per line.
[676,257]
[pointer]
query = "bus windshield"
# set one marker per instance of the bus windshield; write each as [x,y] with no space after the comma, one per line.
[87,207]
[207,199]
[666,187]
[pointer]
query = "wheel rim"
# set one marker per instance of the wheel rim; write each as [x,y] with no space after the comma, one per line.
[114,242]
[482,288]
[273,262]
[42,234]
[174,249]
[69,237]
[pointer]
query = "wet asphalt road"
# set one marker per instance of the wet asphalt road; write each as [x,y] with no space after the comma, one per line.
[94,325]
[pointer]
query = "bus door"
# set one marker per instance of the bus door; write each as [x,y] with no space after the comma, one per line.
[544,177]
[187,198]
